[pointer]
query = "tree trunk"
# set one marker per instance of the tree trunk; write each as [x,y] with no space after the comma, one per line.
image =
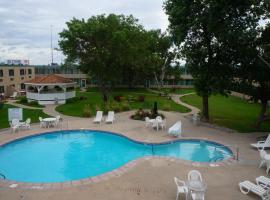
[205,110]
[104,92]
[262,115]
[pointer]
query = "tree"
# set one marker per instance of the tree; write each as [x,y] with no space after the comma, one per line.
[162,57]
[102,46]
[205,30]
[253,70]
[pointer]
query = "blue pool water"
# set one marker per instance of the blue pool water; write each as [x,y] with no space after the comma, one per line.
[72,155]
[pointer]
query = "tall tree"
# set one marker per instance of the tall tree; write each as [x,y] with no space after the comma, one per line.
[101,46]
[204,30]
[254,68]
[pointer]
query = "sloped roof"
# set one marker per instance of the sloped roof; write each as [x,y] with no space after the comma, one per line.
[50,79]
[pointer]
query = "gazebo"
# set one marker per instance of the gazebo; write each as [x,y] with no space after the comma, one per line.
[50,89]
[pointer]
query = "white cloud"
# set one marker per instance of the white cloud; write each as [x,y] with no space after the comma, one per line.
[25,24]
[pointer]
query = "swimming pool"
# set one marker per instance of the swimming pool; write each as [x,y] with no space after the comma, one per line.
[72,155]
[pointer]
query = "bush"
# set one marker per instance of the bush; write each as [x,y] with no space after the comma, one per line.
[125,106]
[141,115]
[86,111]
[97,108]
[119,98]
[114,107]
[23,100]
[130,98]
[73,100]
[33,103]
[141,98]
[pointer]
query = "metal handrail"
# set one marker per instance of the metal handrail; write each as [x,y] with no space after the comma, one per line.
[3,176]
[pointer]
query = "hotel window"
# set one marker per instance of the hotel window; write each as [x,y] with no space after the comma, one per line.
[22,86]
[2,89]
[11,72]
[29,71]
[1,73]
[21,72]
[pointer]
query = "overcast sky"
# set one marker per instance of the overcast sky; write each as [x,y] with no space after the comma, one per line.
[25,24]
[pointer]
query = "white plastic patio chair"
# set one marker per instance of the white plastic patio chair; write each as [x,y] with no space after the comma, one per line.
[162,124]
[247,186]
[181,188]
[14,95]
[194,175]
[264,157]
[26,124]
[15,125]
[197,195]
[110,117]
[57,120]
[176,129]
[147,121]
[263,181]
[41,122]
[98,117]
[262,144]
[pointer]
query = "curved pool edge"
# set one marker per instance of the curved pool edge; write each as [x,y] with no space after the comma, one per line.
[116,172]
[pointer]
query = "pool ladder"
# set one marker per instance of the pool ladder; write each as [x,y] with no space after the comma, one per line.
[2,176]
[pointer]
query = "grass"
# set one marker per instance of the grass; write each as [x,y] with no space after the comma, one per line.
[94,99]
[230,112]
[27,113]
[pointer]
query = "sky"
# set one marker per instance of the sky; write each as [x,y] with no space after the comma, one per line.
[25,24]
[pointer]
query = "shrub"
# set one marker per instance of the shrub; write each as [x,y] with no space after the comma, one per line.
[97,108]
[119,98]
[72,100]
[125,106]
[141,98]
[141,115]
[23,100]
[33,103]
[86,111]
[130,98]
[114,107]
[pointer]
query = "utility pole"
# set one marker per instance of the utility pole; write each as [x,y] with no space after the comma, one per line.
[51,46]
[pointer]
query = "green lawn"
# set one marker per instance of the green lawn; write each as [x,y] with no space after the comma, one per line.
[94,98]
[231,112]
[27,113]
[31,104]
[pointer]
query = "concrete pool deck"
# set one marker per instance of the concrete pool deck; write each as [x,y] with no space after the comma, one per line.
[151,178]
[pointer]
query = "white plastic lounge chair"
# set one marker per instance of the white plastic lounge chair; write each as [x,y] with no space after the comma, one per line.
[181,188]
[42,123]
[15,125]
[98,117]
[26,124]
[247,186]
[176,129]
[262,144]
[14,95]
[110,117]
[263,181]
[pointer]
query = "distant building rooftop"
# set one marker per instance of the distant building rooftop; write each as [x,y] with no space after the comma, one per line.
[50,79]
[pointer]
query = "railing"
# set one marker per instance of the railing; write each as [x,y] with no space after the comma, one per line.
[50,96]
[2,176]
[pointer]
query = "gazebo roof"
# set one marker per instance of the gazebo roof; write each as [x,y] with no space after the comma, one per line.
[49,79]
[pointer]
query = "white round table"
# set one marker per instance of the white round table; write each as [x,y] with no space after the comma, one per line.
[49,121]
